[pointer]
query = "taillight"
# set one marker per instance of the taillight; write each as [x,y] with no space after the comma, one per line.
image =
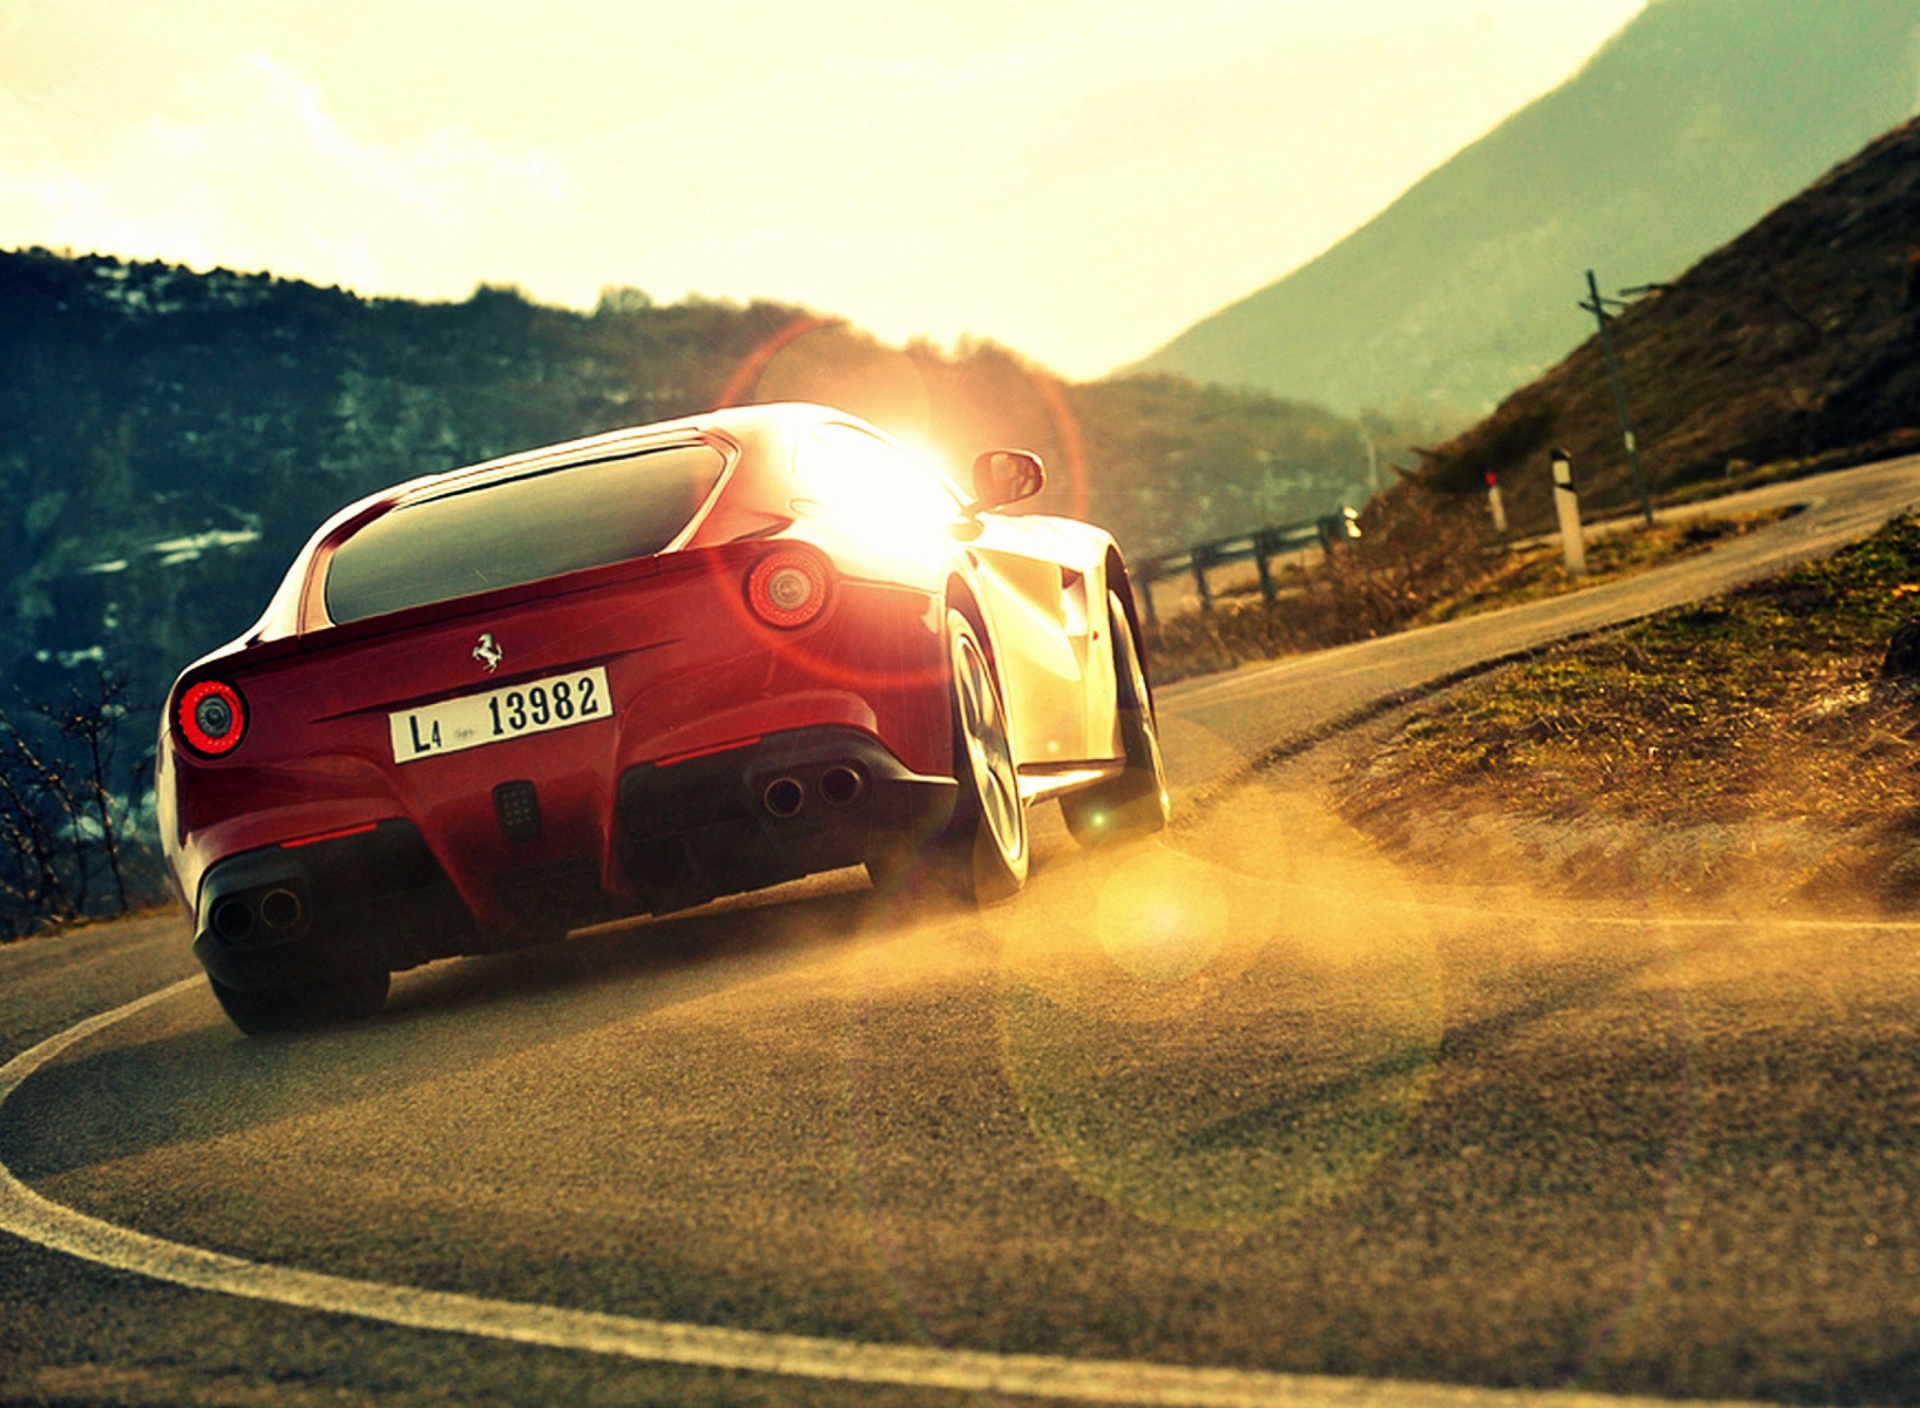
[211,718]
[788,588]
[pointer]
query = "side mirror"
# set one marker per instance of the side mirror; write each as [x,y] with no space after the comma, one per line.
[1006,477]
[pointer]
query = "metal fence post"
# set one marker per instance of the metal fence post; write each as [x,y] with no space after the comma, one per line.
[1263,548]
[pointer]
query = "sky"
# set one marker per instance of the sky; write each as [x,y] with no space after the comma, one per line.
[1079,180]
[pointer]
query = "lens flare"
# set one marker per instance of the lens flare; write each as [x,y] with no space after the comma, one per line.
[823,360]
[946,408]
[1235,1030]
[1218,1032]
[1163,916]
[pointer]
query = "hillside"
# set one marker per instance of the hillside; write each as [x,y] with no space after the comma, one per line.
[1687,127]
[1800,337]
[168,438]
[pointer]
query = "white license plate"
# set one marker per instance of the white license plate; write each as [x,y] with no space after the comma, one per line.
[475,720]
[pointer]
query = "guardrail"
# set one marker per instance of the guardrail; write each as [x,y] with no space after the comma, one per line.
[1260,547]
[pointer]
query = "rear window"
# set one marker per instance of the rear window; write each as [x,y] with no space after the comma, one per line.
[506,532]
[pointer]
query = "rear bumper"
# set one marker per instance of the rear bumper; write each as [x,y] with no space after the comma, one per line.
[682,831]
[784,806]
[277,917]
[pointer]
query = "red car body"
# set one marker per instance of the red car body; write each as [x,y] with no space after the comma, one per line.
[631,673]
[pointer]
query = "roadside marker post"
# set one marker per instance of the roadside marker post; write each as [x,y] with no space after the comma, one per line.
[1496,504]
[1566,502]
[1337,529]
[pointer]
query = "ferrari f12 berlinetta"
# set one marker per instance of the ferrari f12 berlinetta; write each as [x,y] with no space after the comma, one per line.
[632,673]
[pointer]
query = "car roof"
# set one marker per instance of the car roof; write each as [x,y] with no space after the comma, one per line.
[757,431]
[749,427]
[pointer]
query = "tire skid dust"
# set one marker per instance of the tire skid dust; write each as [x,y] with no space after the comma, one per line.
[1216,1028]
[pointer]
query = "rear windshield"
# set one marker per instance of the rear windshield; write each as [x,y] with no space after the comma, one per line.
[510,531]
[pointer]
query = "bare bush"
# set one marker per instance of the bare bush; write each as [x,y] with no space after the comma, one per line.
[69,843]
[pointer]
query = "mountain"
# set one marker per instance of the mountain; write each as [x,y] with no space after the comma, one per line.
[1683,130]
[1797,341]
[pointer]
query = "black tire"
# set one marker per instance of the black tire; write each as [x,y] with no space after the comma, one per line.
[1135,803]
[351,997]
[985,853]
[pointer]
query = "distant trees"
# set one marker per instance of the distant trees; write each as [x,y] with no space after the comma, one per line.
[1180,464]
[143,405]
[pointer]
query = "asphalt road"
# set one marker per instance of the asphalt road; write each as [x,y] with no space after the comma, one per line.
[1246,1115]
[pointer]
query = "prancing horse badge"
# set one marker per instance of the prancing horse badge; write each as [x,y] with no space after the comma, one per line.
[488,653]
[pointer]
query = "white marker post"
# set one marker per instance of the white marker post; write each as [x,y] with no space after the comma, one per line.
[1566,503]
[1496,505]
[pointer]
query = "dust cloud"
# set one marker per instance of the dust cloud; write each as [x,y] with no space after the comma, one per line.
[1223,1025]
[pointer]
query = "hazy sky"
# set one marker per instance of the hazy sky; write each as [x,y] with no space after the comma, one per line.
[1077,179]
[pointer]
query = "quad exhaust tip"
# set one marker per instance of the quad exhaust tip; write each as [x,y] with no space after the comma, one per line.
[841,785]
[783,797]
[280,909]
[232,920]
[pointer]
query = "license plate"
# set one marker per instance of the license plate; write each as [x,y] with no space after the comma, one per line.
[475,720]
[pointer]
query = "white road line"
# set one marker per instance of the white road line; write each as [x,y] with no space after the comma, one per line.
[26,1214]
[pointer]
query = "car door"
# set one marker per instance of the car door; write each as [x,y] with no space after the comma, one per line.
[1037,608]
[1044,617]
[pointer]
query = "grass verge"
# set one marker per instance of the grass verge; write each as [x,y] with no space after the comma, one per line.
[1750,746]
[1535,570]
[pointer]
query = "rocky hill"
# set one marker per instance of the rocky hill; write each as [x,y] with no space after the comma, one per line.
[1799,338]
[1686,128]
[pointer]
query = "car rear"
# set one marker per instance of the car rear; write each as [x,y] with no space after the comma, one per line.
[534,702]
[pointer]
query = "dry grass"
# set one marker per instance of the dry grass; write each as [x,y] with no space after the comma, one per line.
[1792,341]
[1533,570]
[1747,745]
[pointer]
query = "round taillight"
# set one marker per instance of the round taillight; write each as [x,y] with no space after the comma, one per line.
[212,718]
[788,588]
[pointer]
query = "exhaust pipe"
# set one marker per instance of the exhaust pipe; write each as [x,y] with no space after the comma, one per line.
[280,909]
[232,920]
[842,785]
[783,797]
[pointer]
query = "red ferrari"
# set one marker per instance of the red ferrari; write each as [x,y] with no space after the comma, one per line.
[632,673]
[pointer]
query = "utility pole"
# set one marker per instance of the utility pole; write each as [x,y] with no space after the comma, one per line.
[1598,307]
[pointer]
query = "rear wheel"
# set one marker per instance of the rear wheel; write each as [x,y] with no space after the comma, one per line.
[347,997]
[986,853]
[1135,803]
